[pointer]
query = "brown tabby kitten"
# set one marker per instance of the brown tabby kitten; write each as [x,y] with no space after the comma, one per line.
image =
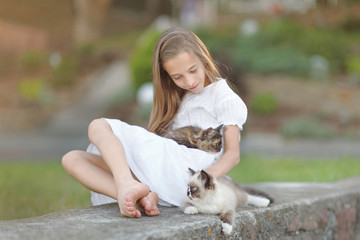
[208,140]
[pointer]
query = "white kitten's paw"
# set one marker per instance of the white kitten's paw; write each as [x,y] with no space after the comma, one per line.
[227,228]
[191,210]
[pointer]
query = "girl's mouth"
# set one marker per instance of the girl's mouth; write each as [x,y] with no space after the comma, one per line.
[195,86]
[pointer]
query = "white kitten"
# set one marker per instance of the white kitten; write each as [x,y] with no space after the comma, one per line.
[205,194]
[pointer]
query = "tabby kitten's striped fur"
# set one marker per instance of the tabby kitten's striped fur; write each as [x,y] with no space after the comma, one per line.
[209,140]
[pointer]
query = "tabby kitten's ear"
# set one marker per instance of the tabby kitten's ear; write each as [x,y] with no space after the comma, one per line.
[219,128]
[192,172]
[207,131]
[207,180]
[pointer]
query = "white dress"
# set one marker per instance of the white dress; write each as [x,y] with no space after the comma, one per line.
[161,163]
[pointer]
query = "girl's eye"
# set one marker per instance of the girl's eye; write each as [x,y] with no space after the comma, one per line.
[193,71]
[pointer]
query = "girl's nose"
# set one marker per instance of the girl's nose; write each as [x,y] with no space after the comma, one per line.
[190,81]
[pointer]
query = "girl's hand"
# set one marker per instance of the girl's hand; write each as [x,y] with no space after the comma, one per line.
[231,156]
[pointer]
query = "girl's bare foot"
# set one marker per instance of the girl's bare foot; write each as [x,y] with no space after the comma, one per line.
[128,195]
[149,204]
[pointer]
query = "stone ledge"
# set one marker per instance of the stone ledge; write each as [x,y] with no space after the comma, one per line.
[301,211]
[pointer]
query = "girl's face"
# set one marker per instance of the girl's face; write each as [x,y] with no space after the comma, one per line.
[187,72]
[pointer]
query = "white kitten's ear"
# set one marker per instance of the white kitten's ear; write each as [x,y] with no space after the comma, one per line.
[207,180]
[192,172]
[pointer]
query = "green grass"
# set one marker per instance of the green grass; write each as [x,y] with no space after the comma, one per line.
[256,169]
[33,189]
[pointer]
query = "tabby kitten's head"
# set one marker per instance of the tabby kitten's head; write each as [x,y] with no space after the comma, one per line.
[200,184]
[209,140]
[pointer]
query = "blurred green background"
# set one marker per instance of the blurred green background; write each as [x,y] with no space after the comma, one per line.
[297,67]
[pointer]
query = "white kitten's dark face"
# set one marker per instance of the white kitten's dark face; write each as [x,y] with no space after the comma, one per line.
[199,185]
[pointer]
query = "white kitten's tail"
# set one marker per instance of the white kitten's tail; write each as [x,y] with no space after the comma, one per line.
[257,201]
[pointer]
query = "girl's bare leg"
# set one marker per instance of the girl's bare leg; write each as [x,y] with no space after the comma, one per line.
[148,204]
[88,170]
[91,171]
[128,190]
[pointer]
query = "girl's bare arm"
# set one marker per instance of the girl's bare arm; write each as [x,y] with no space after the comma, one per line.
[231,156]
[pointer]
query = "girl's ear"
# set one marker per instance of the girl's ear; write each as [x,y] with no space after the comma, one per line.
[192,172]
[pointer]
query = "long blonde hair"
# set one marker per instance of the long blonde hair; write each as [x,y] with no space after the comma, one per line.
[168,96]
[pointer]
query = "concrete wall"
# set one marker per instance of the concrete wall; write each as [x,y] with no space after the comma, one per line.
[302,211]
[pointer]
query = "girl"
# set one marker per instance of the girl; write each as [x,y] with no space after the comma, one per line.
[140,169]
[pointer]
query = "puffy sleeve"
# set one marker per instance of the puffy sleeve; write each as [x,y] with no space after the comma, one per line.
[230,109]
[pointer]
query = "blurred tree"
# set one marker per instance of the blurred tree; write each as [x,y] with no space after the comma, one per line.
[89,19]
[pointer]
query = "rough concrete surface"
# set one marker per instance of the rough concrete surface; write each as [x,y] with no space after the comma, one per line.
[301,211]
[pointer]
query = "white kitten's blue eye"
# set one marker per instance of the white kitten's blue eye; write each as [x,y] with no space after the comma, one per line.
[194,189]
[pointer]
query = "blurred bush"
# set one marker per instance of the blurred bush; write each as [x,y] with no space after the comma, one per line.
[353,65]
[307,127]
[351,25]
[221,44]
[330,44]
[65,72]
[264,104]
[30,89]
[353,69]
[141,59]
[282,46]
[272,50]
[86,49]
[34,91]
[33,60]
[218,41]
[275,59]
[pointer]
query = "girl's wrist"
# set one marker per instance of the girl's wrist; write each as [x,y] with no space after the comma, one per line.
[212,172]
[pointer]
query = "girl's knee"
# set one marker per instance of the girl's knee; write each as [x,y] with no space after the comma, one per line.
[68,161]
[96,128]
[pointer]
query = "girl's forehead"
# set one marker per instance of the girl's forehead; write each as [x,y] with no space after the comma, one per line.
[180,63]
